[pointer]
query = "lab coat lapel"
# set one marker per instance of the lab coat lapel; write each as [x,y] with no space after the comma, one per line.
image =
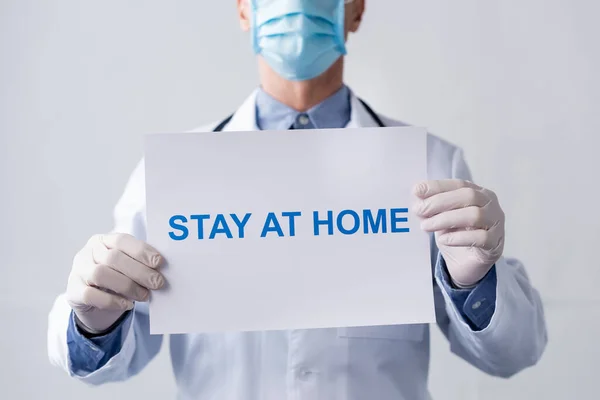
[244,118]
[359,116]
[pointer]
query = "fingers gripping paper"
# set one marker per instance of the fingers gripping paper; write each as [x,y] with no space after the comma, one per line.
[287,230]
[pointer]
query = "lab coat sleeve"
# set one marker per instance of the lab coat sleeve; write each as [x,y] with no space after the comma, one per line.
[138,346]
[516,335]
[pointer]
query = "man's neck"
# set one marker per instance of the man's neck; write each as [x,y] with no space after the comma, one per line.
[301,95]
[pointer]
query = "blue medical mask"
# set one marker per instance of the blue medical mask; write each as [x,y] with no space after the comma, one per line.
[299,39]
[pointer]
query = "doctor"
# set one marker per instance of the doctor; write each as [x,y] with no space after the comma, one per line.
[485,304]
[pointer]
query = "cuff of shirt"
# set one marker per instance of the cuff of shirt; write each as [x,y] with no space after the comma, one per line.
[90,354]
[476,305]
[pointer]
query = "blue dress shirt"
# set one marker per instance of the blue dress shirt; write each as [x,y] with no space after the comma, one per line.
[333,112]
[476,305]
[88,354]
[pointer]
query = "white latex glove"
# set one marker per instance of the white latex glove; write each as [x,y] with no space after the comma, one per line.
[108,274]
[468,224]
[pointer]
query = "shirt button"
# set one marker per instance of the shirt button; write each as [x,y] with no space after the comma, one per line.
[476,305]
[303,119]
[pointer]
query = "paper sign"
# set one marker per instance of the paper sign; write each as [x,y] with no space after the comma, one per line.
[281,230]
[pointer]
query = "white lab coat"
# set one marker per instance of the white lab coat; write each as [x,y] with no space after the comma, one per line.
[381,363]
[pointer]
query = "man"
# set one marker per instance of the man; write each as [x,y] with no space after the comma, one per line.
[485,305]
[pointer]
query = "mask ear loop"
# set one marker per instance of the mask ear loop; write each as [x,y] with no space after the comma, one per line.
[341,17]
[253,27]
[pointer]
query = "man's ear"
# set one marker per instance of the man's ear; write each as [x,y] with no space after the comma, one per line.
[356,14]
[244,11]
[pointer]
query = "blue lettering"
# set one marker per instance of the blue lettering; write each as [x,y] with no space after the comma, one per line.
[182,228]
[220,220]
[291,216]
[317,222]
[396,219]
[340,225]
[241,224]
[271,219]
[374,224]
[200,219]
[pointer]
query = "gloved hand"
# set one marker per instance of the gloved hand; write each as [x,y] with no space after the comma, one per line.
[468,224]
[108,274]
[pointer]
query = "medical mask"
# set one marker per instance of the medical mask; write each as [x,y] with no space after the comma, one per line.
[299,39]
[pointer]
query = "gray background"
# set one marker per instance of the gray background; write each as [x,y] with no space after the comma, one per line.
[515,83]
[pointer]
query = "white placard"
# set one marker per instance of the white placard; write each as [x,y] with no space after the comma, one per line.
[288,230]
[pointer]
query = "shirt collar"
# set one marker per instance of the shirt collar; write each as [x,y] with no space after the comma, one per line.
[333,112]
